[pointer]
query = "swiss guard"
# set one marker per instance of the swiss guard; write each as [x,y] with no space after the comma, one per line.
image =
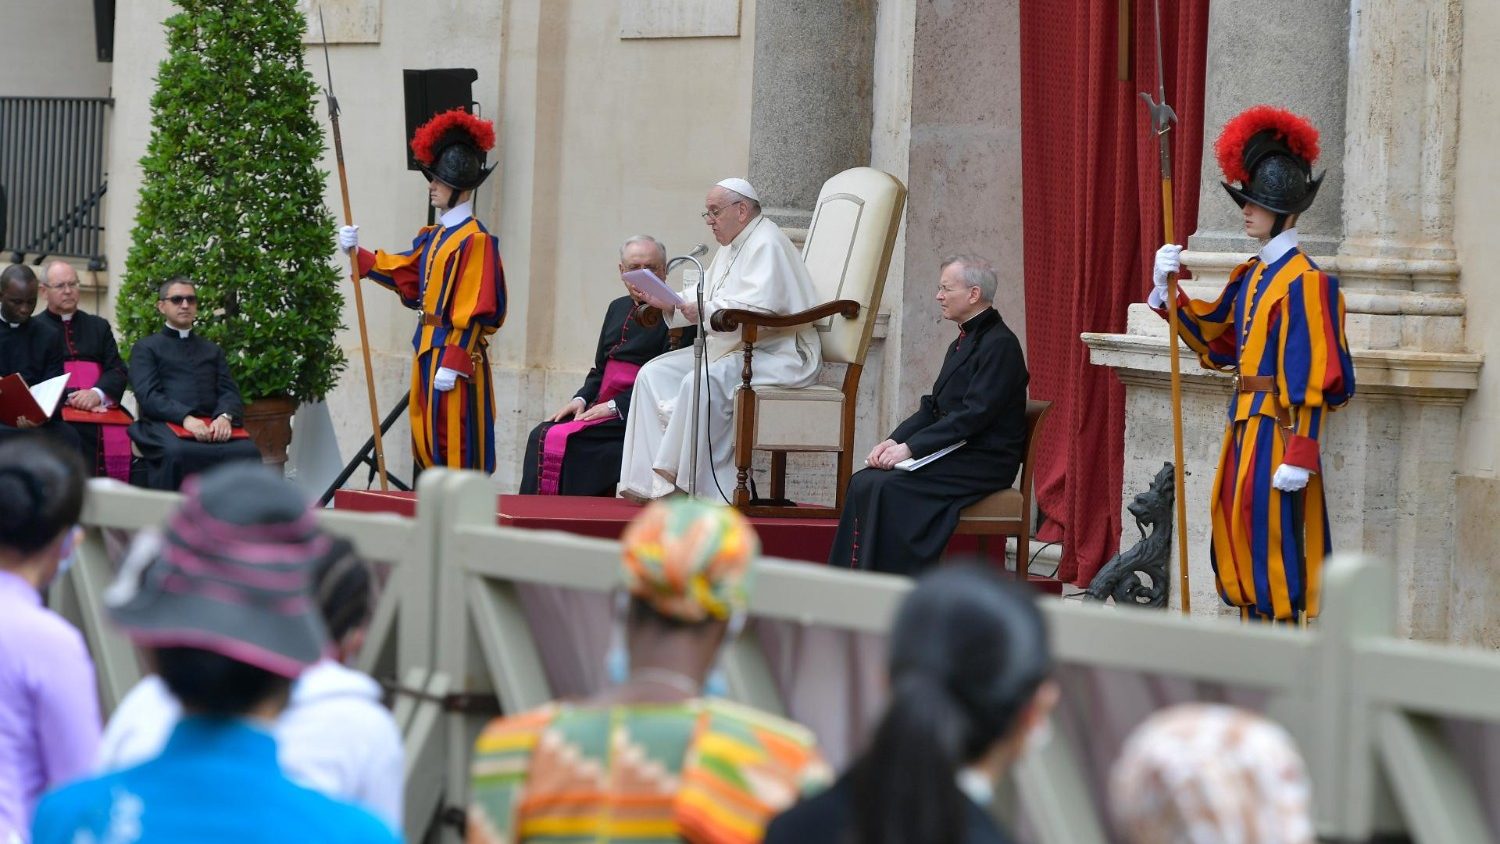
[453,277]
[1278,326]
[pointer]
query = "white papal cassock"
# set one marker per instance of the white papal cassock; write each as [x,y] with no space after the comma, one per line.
[759,270]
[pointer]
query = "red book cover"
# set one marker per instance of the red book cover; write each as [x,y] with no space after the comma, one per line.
[113,416]
[183,433]
[27,407]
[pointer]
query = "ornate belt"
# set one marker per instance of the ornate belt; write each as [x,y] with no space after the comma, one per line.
[1254,383]
[433,320]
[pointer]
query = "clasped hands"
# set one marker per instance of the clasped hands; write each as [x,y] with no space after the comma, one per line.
[887,454]
[87,400]
[578,409]
[217,431]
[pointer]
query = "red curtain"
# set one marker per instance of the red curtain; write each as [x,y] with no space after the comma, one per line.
[1092,214]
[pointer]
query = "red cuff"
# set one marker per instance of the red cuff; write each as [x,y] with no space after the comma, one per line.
[458,360]
[1301,452]
[366,261]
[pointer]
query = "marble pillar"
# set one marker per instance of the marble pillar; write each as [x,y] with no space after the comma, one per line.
[1380,80]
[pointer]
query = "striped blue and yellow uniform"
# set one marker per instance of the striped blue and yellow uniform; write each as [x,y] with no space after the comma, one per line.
[1284,320]
[453,276]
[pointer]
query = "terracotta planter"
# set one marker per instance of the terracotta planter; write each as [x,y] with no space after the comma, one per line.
[269,424]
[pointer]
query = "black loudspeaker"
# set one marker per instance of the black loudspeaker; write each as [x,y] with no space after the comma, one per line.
[429,92]
[104,29]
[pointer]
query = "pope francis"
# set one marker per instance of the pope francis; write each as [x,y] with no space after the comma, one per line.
[757,269]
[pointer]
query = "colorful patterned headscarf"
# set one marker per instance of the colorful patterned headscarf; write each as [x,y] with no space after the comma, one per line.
[1211,774]
[689,559]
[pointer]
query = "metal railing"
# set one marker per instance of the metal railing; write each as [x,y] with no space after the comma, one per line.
[52,178]
[1367,707]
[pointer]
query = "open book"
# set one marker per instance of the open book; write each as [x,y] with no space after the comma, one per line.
[655,291]
[911,464]
[34,405]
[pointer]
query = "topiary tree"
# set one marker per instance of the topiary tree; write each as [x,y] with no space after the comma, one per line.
[232,197]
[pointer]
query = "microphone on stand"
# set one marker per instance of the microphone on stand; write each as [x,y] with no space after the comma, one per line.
[696,252]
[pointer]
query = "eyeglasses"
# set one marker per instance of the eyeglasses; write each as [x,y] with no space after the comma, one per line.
[710,216]
[180,300]
[66,285]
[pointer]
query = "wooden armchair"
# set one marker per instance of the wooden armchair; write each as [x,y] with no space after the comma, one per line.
[848,253]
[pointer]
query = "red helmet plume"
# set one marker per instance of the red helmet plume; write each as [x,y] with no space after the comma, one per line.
[1295,131]
[448,127]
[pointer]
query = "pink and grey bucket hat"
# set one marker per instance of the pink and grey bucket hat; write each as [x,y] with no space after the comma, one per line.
[229,573]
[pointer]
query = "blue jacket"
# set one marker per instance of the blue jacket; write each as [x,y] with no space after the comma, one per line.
[216,780]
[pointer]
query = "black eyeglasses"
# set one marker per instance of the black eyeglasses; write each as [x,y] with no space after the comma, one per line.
[181,300]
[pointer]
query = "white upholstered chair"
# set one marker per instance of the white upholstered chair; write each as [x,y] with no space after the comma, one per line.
[848,252]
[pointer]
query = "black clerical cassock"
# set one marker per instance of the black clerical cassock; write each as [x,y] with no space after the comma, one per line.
[35,350]
[572,458]
[92,359]
[897,521]
[174,377]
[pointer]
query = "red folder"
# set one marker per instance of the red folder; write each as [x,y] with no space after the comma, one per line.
[34,405]
[183,433]
[113,416]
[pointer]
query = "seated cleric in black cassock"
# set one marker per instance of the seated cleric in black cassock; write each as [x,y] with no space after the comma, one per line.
[183,379]
[97,376]
[898,521]
[577,450]
[30,347]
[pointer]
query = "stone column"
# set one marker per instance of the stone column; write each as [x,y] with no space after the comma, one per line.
[1289,53]
[812,104]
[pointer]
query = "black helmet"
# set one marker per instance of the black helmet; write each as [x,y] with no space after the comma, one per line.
[1270,152]
[451,148]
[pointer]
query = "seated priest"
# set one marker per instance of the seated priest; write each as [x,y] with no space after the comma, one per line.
[899,521]
[96,376]
[577,450]
[31,348]
[189,403]
[756,269]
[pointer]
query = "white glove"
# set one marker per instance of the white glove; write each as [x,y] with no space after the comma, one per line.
[1167,262]
[348,238]
[446,379]
[1290,478]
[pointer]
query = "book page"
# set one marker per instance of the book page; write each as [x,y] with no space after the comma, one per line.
[652,289]
[49,393]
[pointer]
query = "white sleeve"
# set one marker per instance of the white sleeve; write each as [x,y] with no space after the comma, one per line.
[139,727]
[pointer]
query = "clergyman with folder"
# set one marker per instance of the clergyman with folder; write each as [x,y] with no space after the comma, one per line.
[900,511]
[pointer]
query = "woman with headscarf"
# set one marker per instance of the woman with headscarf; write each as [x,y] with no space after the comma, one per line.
[49,707]
[1211,774]
[970,693]
[651,758]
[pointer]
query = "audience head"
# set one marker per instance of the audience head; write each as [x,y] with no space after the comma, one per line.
[344,587]
[687,571]
[221,594]
[61,288]
[643,252]
[17,293]
[42,487]
[969,669]
[966,286]
[177,301]
[729,207]
[1210,774]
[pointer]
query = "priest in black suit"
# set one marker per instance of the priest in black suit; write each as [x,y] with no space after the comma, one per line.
[183,379]
[577,450]
[29,347]
[97,376]
[899,521]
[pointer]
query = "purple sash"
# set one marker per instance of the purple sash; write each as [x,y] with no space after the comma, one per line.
[618,377]
[114,442]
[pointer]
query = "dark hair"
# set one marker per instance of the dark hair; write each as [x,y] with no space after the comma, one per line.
[161,289]
[14,273]
[212,684]
[344,588]
[41,487]
[968,651]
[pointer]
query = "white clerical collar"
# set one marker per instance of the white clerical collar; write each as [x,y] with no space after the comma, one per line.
[457,214]
[1277,247]
[977,786]
[66,317]
[184,333]
[13,324]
